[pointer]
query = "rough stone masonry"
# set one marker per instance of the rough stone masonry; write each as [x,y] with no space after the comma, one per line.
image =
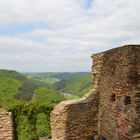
[112,109]
[6,125]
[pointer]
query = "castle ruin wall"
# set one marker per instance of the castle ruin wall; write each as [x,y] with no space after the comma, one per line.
[113,109]
[119,93]
[6,125]
[76,119]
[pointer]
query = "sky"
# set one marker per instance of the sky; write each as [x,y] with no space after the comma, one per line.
[61,35]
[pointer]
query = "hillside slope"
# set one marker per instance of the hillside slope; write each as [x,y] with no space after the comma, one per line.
[76,85]
[53,77]
[16,86]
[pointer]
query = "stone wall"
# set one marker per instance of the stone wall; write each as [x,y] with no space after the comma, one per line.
[117,85]
[6,125]
[96,69]
[76,119]
[113,109]
[136,96]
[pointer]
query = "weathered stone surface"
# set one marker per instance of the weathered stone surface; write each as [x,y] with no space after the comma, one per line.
[6,125]
[75,120]
[113,111]
[119,118]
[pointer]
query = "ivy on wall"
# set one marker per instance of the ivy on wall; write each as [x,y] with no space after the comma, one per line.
[31,111]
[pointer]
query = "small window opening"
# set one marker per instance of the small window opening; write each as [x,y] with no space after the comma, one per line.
[127,100]
[113,98]
[113,70]
[103,138]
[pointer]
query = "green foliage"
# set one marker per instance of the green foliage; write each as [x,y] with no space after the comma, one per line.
[53,77]
[14,85]
[26,91]
[43,126]
[28,113]
[51,81]
[31,100]
[12,74]
[15,91]
[77,85]
[43,94]
[8,89]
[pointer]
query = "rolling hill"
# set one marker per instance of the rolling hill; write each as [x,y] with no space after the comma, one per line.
[68,83]
[34,89]
[53,77]
[75,85]
[15,86]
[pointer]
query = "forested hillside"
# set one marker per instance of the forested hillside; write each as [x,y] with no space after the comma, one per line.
[53,77]
[10,84]
[33,86]
[32,93]
[19,93]
[75,85]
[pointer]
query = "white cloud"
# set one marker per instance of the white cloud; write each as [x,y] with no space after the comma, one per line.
[73,34]
[24,11]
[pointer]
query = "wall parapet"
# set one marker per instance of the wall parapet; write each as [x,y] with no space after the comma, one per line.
[73,119]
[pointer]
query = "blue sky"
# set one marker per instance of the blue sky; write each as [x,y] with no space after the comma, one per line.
[14,29]
[88,4]
[44,35]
